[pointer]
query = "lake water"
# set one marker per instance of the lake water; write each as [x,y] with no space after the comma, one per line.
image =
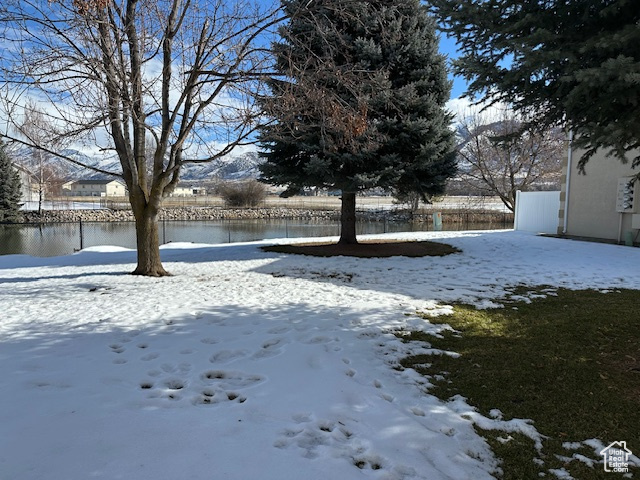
[65,238]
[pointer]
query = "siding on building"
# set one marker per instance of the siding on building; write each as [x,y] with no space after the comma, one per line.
[96,188]
[589,200]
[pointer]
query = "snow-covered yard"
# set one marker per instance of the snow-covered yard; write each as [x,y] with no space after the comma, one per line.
[254,365]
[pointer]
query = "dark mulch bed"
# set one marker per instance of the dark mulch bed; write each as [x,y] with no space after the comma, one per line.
[367,249]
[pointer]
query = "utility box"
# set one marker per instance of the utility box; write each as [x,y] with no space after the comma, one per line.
[625,201]
[635,221]
[437,221]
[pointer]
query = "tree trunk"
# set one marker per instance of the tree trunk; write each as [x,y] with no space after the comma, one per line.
[348,219]
[149,263]
[39,199]
[40,185]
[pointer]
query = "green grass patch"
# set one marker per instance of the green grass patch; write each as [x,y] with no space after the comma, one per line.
[569,361]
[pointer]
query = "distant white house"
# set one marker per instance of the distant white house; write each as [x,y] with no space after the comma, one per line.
[95,188]
[184,190]
[28,184]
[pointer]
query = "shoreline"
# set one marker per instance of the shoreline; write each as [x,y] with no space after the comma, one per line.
[177,213]
[266,213]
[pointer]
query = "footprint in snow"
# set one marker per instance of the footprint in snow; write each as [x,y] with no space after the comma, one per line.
[225,386]
[270,348]
[216,321]
[387,397]
[320,339]
[334,435]
[226,356]
[231,379]
[302,417]
[116,348]
[278,330]
[174,384]
[211,397]
[129,336]
[417,412]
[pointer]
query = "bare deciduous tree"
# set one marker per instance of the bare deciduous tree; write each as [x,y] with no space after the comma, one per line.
[498,156]
[117,73]
[47,175]
[248,193]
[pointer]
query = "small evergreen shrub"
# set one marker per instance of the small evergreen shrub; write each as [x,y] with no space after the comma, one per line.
[10,190]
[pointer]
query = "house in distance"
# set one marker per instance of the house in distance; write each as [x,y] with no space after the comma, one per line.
[95,188]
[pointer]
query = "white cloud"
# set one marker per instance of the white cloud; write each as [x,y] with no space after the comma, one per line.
[465,108]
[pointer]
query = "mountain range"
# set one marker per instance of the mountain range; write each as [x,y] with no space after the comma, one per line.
[241,166]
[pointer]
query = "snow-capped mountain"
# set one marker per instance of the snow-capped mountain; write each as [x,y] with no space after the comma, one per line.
[231,167]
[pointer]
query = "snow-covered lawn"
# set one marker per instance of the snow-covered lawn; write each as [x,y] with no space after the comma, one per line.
[253,365]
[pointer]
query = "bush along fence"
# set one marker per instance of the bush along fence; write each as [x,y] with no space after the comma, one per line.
[57,234]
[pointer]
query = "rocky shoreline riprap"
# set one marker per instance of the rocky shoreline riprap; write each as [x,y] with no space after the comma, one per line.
[187,213]
[221,213]
[179,213]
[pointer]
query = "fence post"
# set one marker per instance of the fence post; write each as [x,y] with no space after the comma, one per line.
[81,236]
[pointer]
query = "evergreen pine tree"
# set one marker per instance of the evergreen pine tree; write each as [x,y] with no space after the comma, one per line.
[570,62]
[10,189]
[360,102]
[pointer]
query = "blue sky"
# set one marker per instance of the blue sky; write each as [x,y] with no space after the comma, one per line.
[448,47]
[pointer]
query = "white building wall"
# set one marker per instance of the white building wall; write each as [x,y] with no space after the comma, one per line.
[28,188]
[115,189]
[182,192]
[591,200]
[112,189]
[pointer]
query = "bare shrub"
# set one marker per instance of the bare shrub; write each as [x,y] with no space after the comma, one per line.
[249,193]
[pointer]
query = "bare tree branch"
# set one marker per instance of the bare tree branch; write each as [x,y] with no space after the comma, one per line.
[501,155]
[182,72]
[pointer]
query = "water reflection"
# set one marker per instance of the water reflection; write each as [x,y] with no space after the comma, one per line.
[44,240]
[11,240]
[65,238]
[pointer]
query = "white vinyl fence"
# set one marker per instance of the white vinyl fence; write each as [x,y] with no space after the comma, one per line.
[537,212]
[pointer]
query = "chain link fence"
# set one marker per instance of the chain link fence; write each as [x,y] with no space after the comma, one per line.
[311,202]
[51,239]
